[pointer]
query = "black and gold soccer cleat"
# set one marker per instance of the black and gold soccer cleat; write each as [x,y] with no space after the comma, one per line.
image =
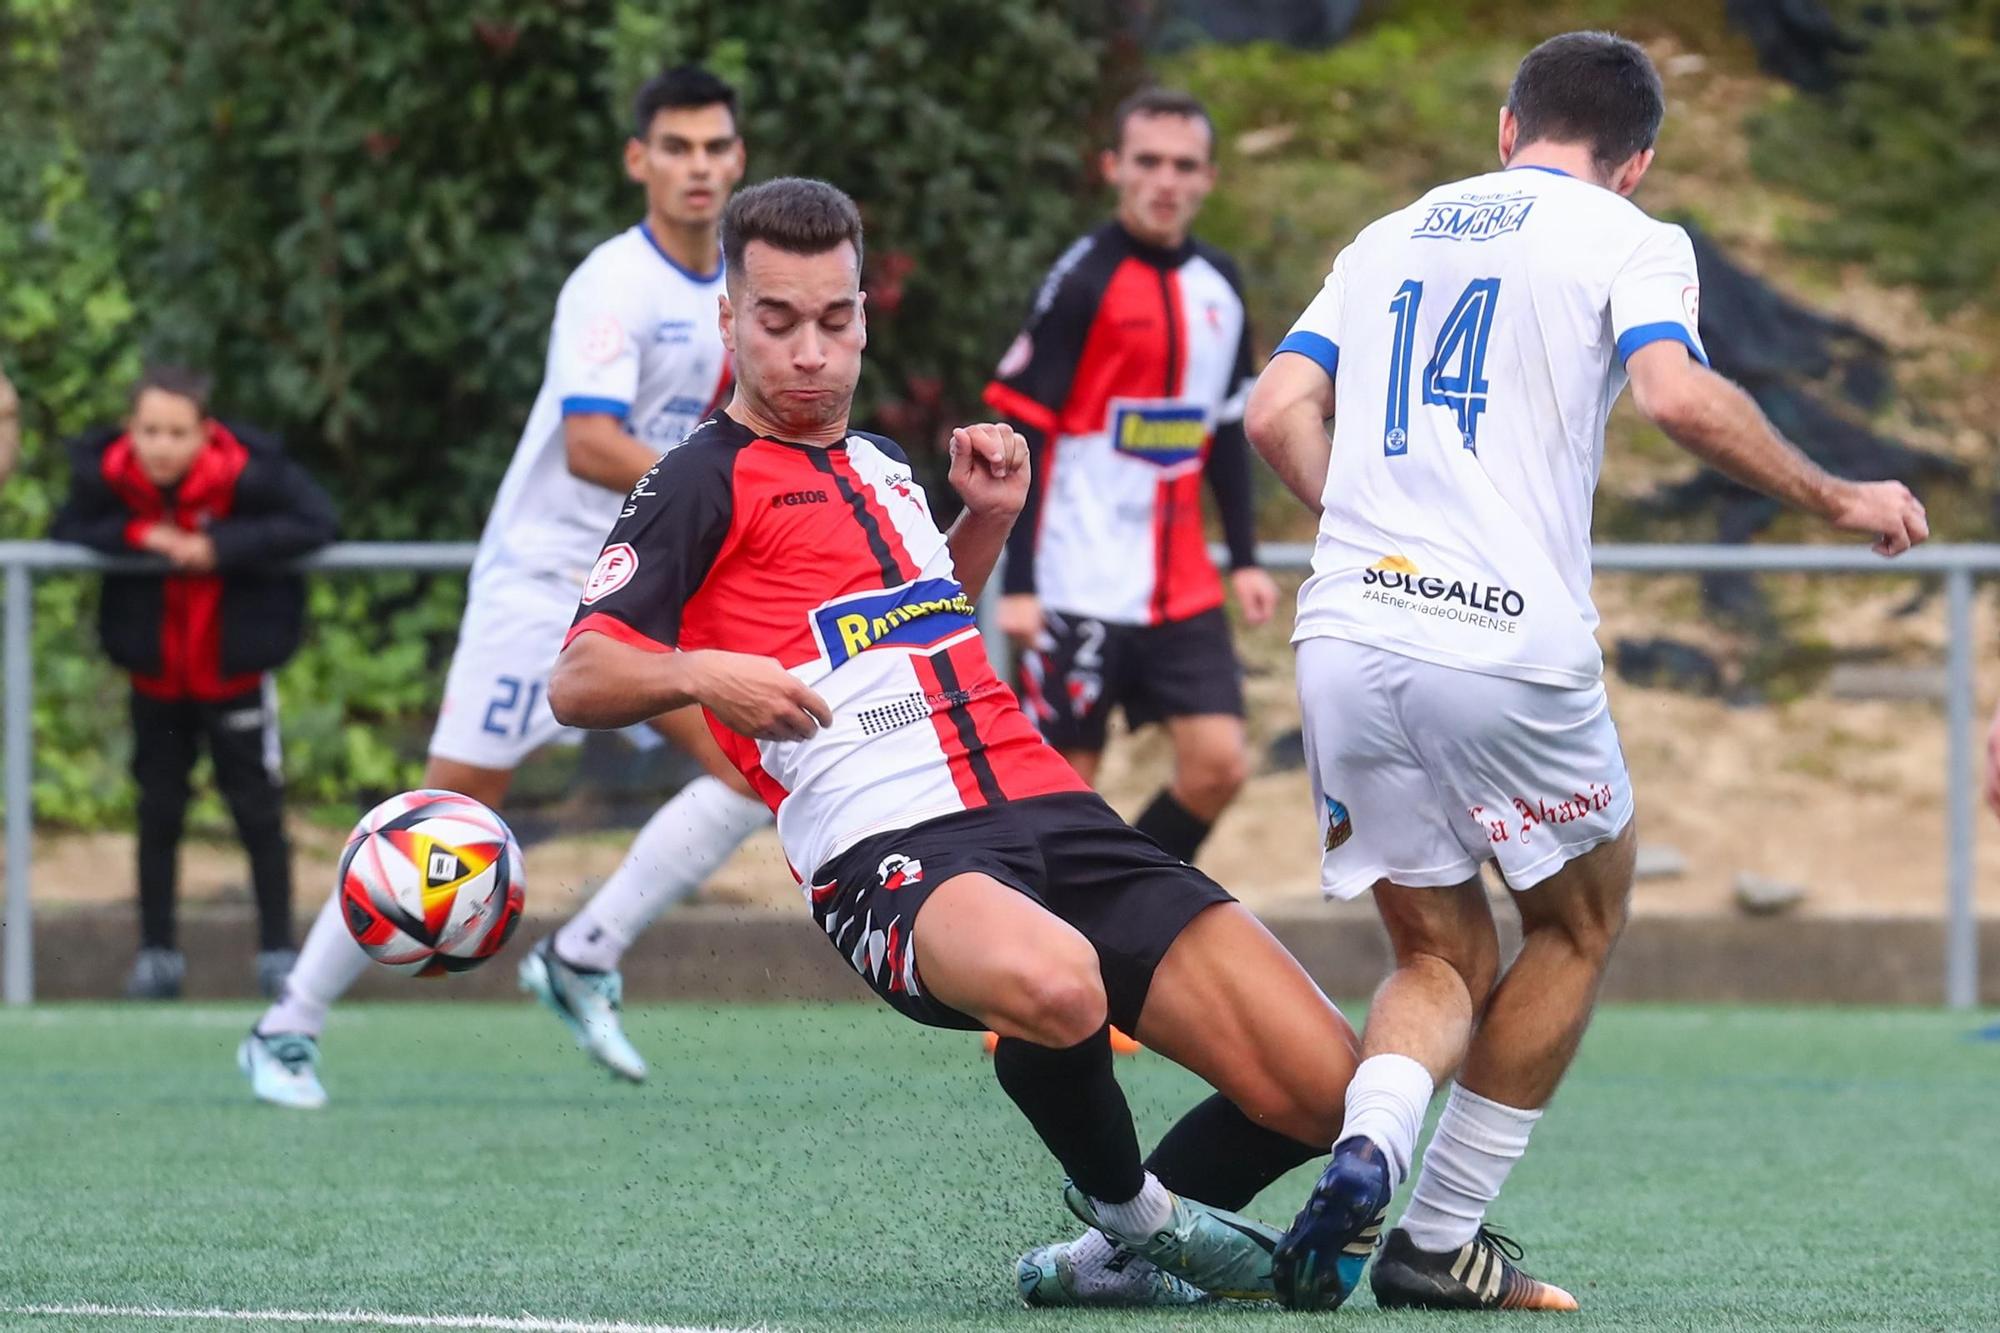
[1479,1275]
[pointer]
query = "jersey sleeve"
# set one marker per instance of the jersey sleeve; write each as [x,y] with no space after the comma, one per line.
[1033,379]
[1656,295]
[1316,335]
[660,550]
[594,346]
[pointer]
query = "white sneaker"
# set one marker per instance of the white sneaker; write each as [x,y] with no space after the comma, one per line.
[283,1069]
[588,1004]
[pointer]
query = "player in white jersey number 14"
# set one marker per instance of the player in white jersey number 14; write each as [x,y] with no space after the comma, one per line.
[635,361]
[1467,350]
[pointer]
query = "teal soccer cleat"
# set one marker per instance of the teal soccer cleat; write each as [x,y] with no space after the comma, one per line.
[588,1003]
[1217,1252]
[283,1069]
[1048,1276]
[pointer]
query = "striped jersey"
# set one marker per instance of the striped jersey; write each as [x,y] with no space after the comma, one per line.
[635,336]
[825,558]
[1477,340]
[1132,360]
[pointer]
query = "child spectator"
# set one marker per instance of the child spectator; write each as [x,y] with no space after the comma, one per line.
[226,510]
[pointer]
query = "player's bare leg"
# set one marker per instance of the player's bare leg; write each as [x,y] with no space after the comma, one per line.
[1211,762]
[1005,960]
[1229,1003]
[575,972]
[1447,951]
[488,786]
[1441,1253]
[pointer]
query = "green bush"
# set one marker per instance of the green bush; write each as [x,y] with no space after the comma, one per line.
[1906,155]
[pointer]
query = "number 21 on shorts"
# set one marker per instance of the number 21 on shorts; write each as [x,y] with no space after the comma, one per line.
[500,710]
[1455,376]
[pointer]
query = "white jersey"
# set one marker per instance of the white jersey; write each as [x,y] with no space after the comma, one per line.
[1477,341]
[635,336]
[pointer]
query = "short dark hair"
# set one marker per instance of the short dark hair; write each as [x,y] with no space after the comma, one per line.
[1160,102]
[1592,88]
[679,87]
[794,214]
[179,381]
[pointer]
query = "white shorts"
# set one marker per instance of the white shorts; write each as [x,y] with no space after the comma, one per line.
[1422,772]
[496,694]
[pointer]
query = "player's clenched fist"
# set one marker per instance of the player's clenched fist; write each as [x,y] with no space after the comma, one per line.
[989,469]
[1885,510]
[754,696]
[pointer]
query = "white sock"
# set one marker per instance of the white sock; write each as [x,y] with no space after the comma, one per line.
[685,842]
[1475,1145]
[1141,1215]
[1386,1103]
[327,966]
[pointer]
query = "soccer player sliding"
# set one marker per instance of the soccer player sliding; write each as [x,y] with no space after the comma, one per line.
[1450,679]
[783,571]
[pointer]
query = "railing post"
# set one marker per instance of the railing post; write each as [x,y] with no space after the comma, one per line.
[1961,946]
[19,705]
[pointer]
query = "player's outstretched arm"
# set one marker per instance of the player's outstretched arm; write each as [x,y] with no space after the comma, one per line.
[1719,423]
[602,684]
[1287,422]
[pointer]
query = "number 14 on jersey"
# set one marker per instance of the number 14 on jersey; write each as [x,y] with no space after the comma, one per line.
[1455,376]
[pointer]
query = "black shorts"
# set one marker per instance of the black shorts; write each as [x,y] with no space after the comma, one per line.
[1083,669]
[1069,852]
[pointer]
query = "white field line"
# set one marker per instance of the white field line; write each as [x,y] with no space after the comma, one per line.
[360,1319]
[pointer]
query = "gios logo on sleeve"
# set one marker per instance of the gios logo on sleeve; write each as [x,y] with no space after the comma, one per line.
[1162,432]
[919,614]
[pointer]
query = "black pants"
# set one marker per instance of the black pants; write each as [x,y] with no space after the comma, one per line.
[242,737]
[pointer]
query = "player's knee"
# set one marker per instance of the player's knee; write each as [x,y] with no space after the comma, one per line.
[1057,1001]
[1211,781]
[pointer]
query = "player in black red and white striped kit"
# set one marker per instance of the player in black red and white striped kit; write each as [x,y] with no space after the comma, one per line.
[1128,381]
[783,571]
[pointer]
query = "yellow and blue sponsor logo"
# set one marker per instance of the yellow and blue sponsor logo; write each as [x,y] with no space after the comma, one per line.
[1164,433]
[912,615]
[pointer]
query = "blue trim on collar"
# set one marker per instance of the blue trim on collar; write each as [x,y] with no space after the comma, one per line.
[1533,166]
[675,264]
[1665,330]
[1320,350]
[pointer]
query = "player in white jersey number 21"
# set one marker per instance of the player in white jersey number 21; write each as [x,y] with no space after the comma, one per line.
[635,361]
[1473,344]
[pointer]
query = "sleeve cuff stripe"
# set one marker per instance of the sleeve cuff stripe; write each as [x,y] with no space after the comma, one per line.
[1012,402]
[616,407]
[1321,351]
[1665,330]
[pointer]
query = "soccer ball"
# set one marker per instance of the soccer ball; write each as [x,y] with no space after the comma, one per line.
[431,883]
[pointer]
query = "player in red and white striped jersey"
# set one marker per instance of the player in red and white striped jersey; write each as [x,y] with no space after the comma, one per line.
[783,571]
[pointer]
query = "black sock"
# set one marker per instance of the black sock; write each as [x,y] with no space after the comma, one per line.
[1175,827]
[1076,1105]
[1218,1156]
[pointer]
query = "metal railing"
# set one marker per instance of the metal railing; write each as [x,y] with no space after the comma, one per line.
[1957,565]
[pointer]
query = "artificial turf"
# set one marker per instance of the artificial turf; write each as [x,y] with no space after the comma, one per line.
[813,1168]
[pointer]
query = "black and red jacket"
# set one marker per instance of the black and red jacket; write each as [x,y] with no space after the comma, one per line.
[199,636]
